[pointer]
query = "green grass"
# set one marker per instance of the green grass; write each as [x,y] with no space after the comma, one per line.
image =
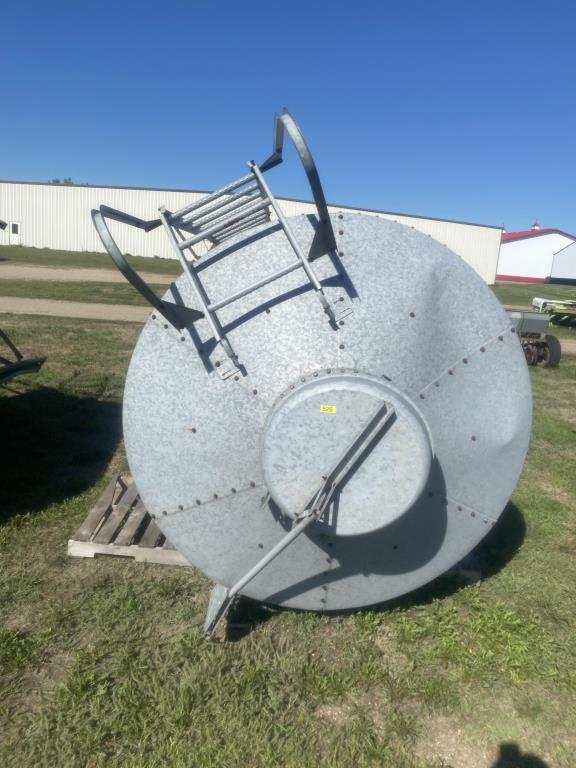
[102,661]
[48,257]
[521,294]
[89,292]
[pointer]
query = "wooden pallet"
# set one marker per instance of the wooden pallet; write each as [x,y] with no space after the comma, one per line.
[118,525]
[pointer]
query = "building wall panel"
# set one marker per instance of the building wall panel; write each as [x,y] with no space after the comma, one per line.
[58,216]
[530,258]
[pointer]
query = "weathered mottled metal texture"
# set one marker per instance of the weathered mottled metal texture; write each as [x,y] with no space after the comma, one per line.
[423,322]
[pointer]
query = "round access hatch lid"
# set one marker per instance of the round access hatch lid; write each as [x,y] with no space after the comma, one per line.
[314,424]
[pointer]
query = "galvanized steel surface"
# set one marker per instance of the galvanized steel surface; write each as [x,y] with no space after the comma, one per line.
[423,323]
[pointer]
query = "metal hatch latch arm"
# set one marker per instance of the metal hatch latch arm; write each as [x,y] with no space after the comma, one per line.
[221,598]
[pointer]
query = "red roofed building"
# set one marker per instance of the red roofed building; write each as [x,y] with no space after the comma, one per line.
[527,256]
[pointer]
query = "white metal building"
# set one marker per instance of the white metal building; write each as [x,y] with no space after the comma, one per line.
[528,256]
[58,216]
[564,265]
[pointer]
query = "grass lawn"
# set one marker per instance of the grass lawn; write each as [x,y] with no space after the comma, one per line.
[522,294]
[102,663]
[48,257]
[89,292]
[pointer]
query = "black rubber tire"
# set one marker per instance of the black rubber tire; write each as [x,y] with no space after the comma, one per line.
[553,352]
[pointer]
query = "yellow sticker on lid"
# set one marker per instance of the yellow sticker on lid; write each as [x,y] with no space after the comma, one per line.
[328,409]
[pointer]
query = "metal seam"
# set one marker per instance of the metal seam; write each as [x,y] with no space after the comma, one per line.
[472,352]
[221,497]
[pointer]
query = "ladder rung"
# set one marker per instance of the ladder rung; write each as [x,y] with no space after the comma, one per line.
[250,221]
[254,287]
[227,200]
[214,195]
[207,233]
[224,212]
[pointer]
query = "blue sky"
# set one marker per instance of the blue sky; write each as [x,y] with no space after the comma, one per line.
[450,109]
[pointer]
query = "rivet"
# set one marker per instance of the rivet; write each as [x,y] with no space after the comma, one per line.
[315,374]
[341,298]
[421,396]
[260,546]
[236,378]
[500,338]
[329,370]
[340,231]
[395,546]
[182,338]
[323,600]
[193,430]
[153,317]
[436,383]
[459,508]
[165,325]
[215,495]
[254,391]
[430,493]
[340,216]
[267,311]
[412,314]
[512,330]
[252,484]
[341,322]
[326,573]
[330,544]
[262,499]
[341,253]
[233,490]
[472,514]
[165,513]
[291,386]
[302,379]
[341,346]
[153,517]
[217,364]
[464,360]
[451,372]
[473,438]
[482,349]
[180,507]
[198,502]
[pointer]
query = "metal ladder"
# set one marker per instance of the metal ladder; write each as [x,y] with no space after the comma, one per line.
[226,213]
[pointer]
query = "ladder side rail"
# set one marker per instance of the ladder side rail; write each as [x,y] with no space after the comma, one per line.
[197,287]
[292,240]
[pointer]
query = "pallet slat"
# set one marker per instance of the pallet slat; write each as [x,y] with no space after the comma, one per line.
[84,533]
[151,535]
[132,525]
[116,517]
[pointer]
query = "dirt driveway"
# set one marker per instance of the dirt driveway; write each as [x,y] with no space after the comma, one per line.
[11,271]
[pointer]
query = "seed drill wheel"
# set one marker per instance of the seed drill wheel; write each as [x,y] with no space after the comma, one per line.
[408,420]
[552,352]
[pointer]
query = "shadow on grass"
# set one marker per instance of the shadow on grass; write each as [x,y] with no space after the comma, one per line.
[511,757]
[490,556]
[54,445]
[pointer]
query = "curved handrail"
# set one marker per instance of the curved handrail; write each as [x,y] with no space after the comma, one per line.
[285,121]
[177,315]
